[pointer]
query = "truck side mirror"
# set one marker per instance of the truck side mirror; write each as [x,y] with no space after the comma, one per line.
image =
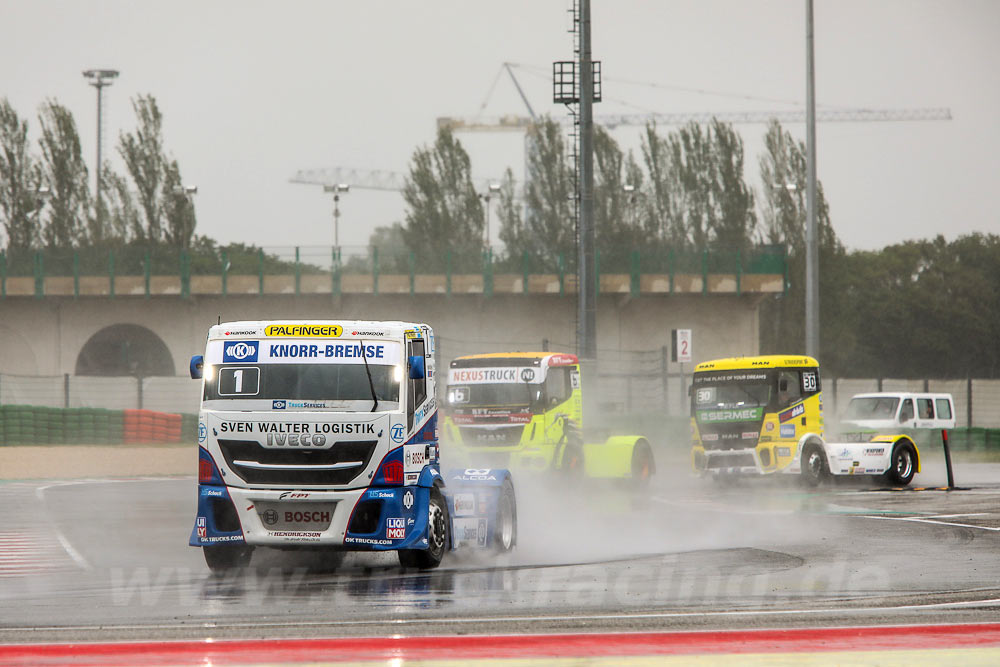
[416,364]
[197,366]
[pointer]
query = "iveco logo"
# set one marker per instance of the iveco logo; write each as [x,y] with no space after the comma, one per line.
[240,351]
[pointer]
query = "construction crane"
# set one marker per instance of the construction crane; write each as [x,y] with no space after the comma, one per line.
[365,179]
[368,179]
[516,123]
[394,181]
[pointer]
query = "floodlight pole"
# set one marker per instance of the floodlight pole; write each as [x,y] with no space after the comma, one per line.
[337,189]
[99,78]
[812,242]
[587,273]
[491,190]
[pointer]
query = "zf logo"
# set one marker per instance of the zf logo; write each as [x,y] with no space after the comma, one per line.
[397,433]
[239,351]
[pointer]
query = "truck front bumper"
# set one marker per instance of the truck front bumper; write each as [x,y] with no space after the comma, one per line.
[372,519]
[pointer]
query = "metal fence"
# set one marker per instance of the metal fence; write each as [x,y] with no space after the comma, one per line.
[240,269]
[625,384]
[162,394]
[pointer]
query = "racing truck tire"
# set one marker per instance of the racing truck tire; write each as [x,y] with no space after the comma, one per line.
[222,558]
[902,464]
[643,465]
[437,536]
[505,531]
[572,465]
[814,467]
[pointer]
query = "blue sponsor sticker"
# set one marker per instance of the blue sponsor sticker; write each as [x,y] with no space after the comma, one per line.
[788,430]
[792,413]
[239,350]
[277,405]
[397,433]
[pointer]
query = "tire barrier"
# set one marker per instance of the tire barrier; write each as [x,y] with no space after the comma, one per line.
[39,425]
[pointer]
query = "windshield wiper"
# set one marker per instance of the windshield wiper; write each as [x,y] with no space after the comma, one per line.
[371,384]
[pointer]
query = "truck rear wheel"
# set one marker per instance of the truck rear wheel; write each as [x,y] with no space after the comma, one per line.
[572,461]
[229,557]
[643,466]
[814,468]
[505,530]
[902,464]
[437,536]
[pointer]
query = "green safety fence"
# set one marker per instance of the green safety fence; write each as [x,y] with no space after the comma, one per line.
[974,439]
[41,425]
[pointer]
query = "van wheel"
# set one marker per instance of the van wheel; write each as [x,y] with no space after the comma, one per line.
[437,536]
[814,468]
[224,558]
[902,464]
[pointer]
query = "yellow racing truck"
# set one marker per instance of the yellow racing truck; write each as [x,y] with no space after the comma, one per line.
[764,415]
[524,410]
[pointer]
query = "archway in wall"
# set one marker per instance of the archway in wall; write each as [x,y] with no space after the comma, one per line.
[125,349]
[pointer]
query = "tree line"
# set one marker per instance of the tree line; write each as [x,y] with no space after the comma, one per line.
[916,309]
[686,193]
[45,195]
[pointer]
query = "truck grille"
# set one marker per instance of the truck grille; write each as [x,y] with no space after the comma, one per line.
[502,436]
[728,436]
[339,464]
[732,460]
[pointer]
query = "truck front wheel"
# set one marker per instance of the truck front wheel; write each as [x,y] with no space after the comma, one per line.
[437,536]
[229,557]
[814,466]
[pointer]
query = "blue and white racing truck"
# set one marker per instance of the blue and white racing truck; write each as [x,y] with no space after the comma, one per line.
[323,435]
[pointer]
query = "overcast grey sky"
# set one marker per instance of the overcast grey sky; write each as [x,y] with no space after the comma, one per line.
[253,91]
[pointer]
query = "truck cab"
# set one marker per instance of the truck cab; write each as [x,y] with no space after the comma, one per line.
[524,410]
[321,435]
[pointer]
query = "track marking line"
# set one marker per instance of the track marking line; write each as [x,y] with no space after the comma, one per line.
[927,521]
[77,557]
[404,622]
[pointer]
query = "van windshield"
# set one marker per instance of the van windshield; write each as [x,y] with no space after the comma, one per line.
[872,407]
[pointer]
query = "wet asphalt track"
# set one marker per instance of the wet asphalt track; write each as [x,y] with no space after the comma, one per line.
[108,559]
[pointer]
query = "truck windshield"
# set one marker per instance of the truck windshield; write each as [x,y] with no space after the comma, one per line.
[873,407]
[731,390]
[520,395]
[322,384]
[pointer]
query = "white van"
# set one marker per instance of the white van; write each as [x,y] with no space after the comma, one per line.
[889,411]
